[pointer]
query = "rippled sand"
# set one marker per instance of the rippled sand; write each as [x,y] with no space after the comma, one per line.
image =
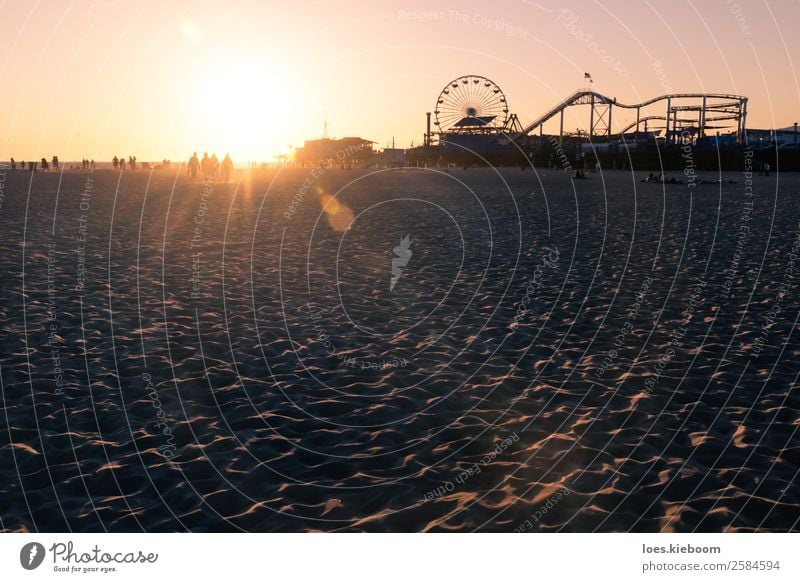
[602,355]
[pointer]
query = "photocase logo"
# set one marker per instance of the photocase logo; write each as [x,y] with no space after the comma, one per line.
[31,555]
[403,252]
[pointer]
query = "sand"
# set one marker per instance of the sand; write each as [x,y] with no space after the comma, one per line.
[398,350]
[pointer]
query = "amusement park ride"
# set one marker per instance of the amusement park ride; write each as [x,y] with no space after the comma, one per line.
[474,104]
[474,107]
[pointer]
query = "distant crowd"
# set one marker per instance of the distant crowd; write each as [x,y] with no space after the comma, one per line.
[210,167]
[33,166]
[120,164]
[85,164]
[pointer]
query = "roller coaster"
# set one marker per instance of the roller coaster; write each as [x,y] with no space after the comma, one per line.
[685,114]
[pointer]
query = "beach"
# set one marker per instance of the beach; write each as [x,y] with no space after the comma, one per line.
[399,350]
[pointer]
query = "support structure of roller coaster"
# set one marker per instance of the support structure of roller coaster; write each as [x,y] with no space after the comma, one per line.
[684,115]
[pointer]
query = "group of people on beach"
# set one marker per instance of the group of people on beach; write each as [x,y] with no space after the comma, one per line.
[42,165]
[119,163]
[209,166]
[660,179]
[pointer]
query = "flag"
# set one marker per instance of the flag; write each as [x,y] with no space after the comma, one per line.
[588,76]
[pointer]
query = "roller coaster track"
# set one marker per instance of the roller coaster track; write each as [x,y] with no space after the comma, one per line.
[633,124]
[592,98]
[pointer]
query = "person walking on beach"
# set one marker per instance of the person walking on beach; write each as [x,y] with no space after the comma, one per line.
[194,165]
[115,161]
[45,166]
[13,165]
[227,167]
[214,165]
[122,163]
[55,163]
[204,163]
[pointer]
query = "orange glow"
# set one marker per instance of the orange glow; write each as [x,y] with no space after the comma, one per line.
[245,104]
[162,79]
[339,215]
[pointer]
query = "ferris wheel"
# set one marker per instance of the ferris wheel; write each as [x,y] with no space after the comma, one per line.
[471,103]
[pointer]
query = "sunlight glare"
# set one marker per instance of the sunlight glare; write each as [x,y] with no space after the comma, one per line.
[244,107]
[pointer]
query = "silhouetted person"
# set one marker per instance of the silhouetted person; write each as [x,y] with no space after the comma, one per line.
[194,165]
[227,167]
[13,165]
[91,165]
[115,161]
[55,162]
[45,167]
[122,164]
[214,165]
[132,162]
[204,165]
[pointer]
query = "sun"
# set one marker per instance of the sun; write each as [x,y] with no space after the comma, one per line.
[245,107]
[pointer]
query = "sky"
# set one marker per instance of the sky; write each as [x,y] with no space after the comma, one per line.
[98,78]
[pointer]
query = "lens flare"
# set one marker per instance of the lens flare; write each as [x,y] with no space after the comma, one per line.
[339,215]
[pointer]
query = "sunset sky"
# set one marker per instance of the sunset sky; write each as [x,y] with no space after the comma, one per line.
[96,78]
